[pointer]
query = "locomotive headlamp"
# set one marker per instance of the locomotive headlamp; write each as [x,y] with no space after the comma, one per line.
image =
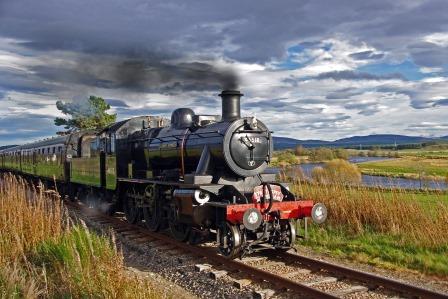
[252,219]
[319,213]
[201,197]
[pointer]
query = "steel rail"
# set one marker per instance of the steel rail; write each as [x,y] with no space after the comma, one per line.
[366,277]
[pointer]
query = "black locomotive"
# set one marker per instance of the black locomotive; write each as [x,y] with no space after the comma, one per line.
[198,175]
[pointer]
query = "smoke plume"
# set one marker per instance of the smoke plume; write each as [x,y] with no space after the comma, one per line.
[150,75]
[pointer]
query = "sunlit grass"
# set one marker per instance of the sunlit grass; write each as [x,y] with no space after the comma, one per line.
[43,255]
[412,167]
[392,228]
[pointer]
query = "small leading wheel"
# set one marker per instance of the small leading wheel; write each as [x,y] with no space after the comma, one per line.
[288,234]
[230,241]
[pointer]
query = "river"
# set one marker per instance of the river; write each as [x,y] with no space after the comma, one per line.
[386,182]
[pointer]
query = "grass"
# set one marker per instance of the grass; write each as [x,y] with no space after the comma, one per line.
[394,228]
[407,167]
[378,249]
[43,255]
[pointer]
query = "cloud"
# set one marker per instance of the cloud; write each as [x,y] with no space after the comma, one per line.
[441,102]
[432,127]
[351,75]
[117,103]
[367,55]
[316,65]
[440,39]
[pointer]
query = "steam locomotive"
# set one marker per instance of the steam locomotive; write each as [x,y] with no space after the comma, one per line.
[197,175]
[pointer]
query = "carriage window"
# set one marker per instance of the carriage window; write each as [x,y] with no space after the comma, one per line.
[112,143]
[54,149]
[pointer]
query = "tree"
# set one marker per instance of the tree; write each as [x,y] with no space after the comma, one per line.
[84,115]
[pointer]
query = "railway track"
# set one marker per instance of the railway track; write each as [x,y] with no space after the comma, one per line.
[275,273]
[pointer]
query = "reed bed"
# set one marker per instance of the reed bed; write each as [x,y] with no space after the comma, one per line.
[44,254]
[395,211]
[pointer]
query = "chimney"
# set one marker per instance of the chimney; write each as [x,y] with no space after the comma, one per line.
[230,104]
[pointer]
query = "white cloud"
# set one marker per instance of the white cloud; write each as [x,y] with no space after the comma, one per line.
[440,39]
[428,70]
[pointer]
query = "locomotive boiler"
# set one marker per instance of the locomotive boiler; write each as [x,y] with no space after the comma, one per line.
[200,176]
[207,174]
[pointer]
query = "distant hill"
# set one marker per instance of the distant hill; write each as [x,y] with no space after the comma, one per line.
[382,139]
[285,142]
[369,140]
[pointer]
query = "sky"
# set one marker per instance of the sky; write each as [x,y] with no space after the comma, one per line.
[309,69]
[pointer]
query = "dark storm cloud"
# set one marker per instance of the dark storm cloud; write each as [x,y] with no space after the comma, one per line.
[351,75]
[175,47]
[260,30]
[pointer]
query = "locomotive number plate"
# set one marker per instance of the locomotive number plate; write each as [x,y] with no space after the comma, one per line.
[276,193]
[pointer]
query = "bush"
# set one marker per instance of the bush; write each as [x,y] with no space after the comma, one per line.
[301,151]
[337,171]
[321,154]
[286,158]
[341,153]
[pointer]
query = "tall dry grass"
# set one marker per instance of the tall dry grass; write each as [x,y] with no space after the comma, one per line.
[337,170]
[397,212]
[27,217]
[44,255]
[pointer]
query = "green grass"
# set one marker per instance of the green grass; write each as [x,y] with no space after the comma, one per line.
[378,249]
[407,167]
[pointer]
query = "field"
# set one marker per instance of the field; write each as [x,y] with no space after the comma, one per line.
[393,229]
[409,166]
[46,254]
